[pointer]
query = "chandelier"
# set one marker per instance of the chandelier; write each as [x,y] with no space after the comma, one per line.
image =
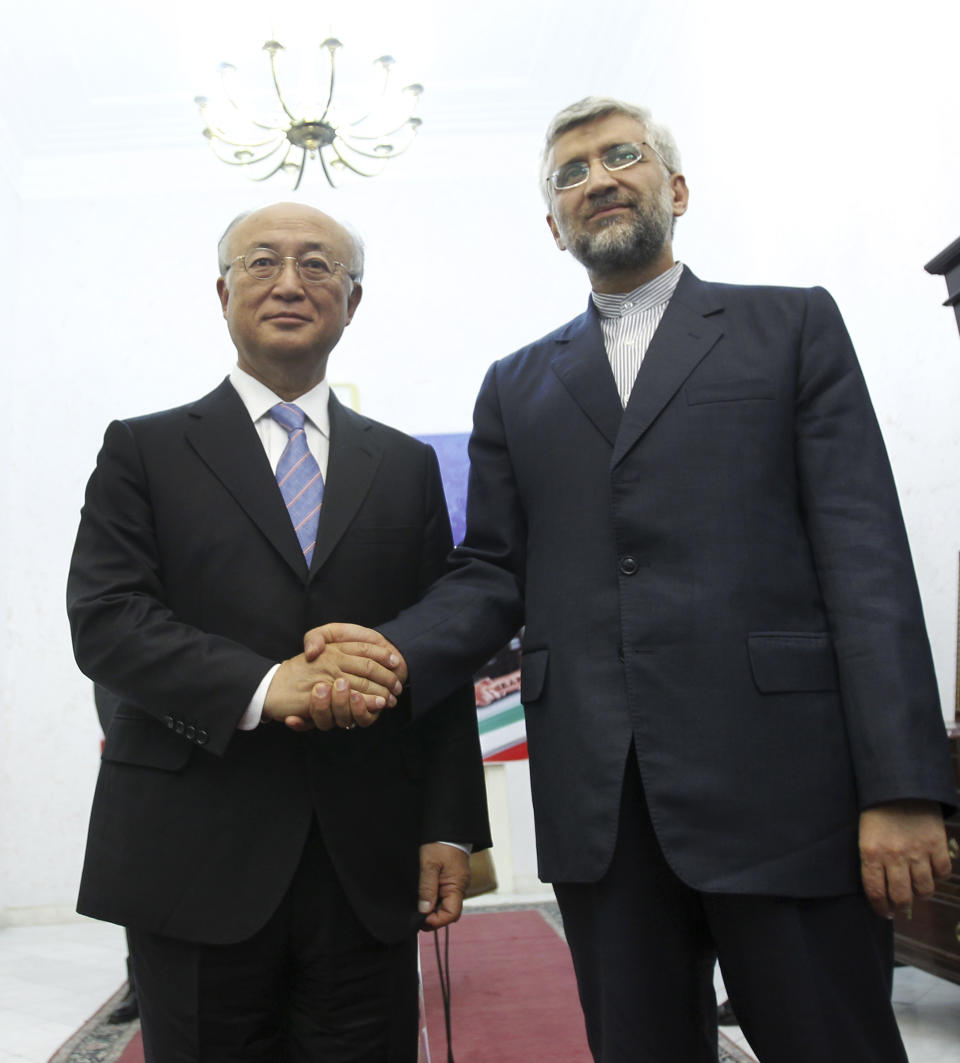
[279,129]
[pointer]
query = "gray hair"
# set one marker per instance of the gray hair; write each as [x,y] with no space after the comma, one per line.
[355,268]
[589,109]
[223,263]
[359,252]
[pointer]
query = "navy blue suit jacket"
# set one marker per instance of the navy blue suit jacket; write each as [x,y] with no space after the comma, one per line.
[718,574]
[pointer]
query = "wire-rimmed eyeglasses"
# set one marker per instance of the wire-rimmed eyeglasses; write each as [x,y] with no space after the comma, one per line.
[313,267]
[619,157]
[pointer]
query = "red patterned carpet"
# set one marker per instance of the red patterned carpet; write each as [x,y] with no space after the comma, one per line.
[512,991]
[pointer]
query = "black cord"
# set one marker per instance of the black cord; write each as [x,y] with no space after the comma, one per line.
[442,962]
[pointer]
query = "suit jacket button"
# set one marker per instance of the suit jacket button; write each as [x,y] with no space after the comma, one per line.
[191,732]
[179,726]
[202,737]
[628,566]
[168,720]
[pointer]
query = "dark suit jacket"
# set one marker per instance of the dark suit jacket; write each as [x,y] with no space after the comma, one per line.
[106,705]
[718,574]
[187,584]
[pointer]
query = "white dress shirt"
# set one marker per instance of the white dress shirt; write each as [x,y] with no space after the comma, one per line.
[259,400]
[629,321]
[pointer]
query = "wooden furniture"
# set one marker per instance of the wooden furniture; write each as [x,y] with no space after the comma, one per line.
[931,939]
[947,264]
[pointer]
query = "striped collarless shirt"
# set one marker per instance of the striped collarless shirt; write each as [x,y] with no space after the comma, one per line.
[629,321]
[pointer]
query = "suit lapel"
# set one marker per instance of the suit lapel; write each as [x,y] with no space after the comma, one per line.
[583,368]
[682,340]
[354,459]
[221,432]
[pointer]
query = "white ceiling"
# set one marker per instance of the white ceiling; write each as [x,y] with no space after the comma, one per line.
[98,95]
[115,76]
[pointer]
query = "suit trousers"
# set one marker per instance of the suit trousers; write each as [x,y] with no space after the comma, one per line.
[808,979]
[311,986]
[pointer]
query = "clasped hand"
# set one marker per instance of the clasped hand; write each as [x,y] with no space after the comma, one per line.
[345,677]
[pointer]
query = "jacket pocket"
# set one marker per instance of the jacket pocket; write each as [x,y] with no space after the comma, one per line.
[145,742]
[730,391]
[784,661]
[533,675]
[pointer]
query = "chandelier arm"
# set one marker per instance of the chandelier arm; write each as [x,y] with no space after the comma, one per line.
[333,78]
[280,165]
[383,96]
[253,121]
[386,133]
[276,86]
[326,170]
[219,135]
[373,155]
[265,125]
[254,124]
[252,161]
[231,99]
[349,165]
[303,166]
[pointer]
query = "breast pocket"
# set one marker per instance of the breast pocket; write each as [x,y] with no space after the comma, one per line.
[741,390]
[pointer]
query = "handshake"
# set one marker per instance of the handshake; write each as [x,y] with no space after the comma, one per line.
[345,677]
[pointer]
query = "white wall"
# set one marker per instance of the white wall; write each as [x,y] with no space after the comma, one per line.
[819,151]
[511,827]
[9,237]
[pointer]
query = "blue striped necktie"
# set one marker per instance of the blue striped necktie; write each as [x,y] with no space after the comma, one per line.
[299,477]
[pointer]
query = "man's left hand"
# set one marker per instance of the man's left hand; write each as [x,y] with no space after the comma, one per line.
[364,643]
[903,848]
[444,877]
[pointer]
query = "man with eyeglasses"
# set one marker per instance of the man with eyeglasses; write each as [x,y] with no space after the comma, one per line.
[273,876]
[735,741]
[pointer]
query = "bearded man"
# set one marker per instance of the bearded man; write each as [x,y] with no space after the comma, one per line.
[736,746]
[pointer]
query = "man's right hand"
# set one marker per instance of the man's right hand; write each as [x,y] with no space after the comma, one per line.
[339,706]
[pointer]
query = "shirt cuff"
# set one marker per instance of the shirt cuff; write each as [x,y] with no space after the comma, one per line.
[253,716]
